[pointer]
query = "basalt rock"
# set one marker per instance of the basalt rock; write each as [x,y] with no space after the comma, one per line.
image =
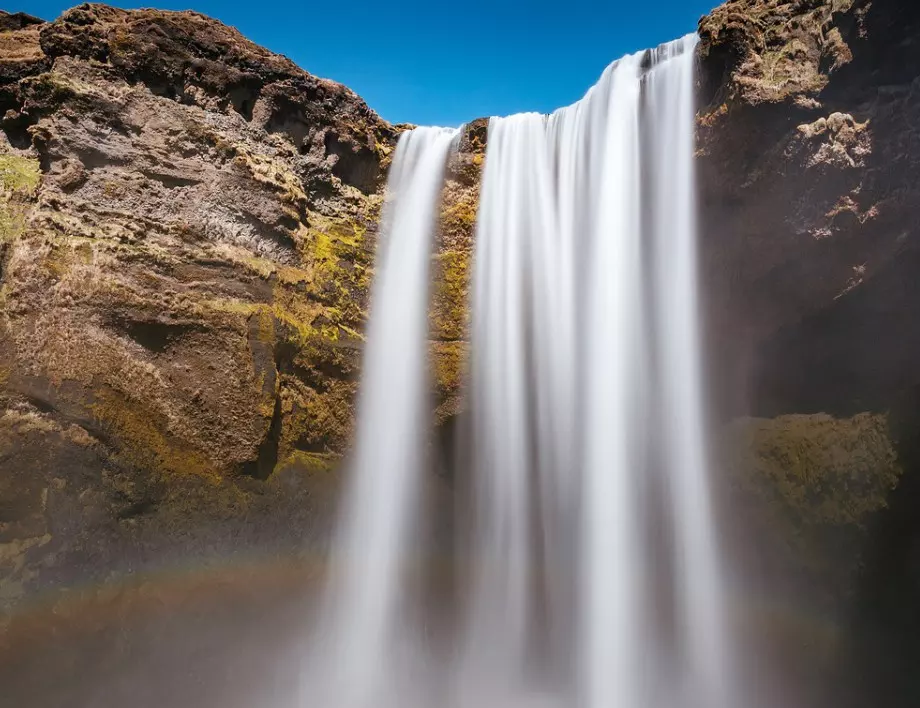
[187,226]
[808,179]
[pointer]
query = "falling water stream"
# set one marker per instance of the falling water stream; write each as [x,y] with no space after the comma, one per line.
[594,575]
[361,644]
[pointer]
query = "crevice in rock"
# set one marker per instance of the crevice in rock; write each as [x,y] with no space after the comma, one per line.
[171,181]
[267,457]
[142,507]
[93,158]
[153,335]
[716,66]
[243,99]
[16,129]
[356,164]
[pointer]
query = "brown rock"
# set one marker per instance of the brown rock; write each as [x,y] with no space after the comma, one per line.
[808,195]
[187,226]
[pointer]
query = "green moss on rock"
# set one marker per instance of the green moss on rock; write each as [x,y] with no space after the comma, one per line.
[19,180]
[19,174]
[819,469]
[809,484]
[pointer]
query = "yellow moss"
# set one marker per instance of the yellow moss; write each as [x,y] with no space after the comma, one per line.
[449,365]
[383,151]
[450,309]
[19,180]
[266,331]
[321,420]
[336,253]
[313,461]
[144,444]
[12,221]
[810,483]
[293,328]
[273,173]
[451,289]
[823,470]
[462,213]
[449,362]
[19,174]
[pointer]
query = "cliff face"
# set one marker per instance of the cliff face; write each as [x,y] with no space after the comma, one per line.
[809,167]
[186,229]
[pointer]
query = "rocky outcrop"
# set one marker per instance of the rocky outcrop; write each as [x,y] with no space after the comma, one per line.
[808,176]
[187,226]
[809,167]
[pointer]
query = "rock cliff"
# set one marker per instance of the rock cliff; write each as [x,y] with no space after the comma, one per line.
[809,169]
[186,231]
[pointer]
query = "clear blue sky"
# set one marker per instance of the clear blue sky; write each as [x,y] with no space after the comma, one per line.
[442,63]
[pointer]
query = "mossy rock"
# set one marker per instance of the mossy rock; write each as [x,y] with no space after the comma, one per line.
[19,174]
[810,484]
[19,180]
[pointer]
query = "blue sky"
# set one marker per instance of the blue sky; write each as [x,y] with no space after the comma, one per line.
[443,63]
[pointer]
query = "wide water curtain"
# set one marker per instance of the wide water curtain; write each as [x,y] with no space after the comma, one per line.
[590,576]
[595,574]
[365,641]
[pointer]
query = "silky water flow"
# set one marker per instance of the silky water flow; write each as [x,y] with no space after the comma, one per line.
[590,559]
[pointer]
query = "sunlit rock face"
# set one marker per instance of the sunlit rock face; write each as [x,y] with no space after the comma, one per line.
[187,227]
[187,230]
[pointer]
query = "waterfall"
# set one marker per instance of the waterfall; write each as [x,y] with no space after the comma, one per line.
[590,469]
[701,607]
[363,642]
[594,576]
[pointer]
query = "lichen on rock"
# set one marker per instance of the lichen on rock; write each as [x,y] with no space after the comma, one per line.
[187,226]
[809,486]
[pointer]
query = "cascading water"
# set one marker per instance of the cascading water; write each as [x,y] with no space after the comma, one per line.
[362,644]
[594,576]
[701,608]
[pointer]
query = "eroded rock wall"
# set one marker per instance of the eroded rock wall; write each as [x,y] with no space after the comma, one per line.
[809,171]
[187,229]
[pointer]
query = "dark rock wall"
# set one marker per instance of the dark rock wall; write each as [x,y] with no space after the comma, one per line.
[809,167]
[809,170]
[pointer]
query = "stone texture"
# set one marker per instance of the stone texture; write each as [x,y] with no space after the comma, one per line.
[809,174]
[809,170]
[187,228]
